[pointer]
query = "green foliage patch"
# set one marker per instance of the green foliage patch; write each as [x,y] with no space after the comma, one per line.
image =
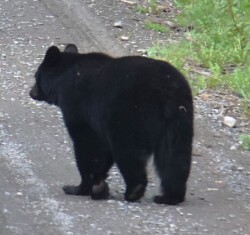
[150,7]
[218,43]
[156,27]
[245,141]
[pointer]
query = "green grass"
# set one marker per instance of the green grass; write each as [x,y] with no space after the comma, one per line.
[219,42]
[150,8]
[245,141]
[156,27]
[177,55]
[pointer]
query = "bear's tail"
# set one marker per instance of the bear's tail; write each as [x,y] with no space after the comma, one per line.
[172,157]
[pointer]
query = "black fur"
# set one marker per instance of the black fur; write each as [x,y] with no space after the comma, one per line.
[121,110]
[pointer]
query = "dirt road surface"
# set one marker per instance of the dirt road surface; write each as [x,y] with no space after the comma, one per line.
[36,157]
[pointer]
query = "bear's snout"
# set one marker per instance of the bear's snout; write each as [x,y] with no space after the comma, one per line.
[35,94]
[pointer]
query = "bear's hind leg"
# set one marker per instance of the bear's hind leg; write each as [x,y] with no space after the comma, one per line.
[173,163]
[132,166]
[81,190]
[100,188]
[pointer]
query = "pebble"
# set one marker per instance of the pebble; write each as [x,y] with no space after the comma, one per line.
[124,38]
[240,168]
[229,121]
[233,147]
[235,168]
[196,153]
[142,51]
[212,189]
[118,24]
[5,211]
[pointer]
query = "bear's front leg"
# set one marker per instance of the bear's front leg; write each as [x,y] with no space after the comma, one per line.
[83,189]
[93,161]
[100,191]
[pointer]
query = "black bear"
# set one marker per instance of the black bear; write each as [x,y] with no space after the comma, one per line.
[121,110]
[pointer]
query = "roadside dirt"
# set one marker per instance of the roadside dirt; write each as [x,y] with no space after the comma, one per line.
[36,157]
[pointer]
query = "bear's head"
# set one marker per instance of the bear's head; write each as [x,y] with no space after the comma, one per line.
[41,90]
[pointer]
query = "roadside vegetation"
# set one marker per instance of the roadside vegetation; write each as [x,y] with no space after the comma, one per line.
[151,7]
[156,27]
[215,50]
[245,141]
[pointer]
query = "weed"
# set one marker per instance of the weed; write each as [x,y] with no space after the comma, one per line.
[150,7]
[245,141]
[246,107]
[239,81]
[142,9]
[174,54]
[156,27]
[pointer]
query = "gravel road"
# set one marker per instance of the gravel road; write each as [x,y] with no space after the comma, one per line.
[36,157]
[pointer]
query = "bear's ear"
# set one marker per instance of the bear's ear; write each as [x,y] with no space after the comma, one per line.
[52,55]
[71,48]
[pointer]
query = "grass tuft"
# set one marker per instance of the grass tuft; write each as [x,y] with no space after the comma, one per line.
[156,27]
[151,7]
[245,141]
